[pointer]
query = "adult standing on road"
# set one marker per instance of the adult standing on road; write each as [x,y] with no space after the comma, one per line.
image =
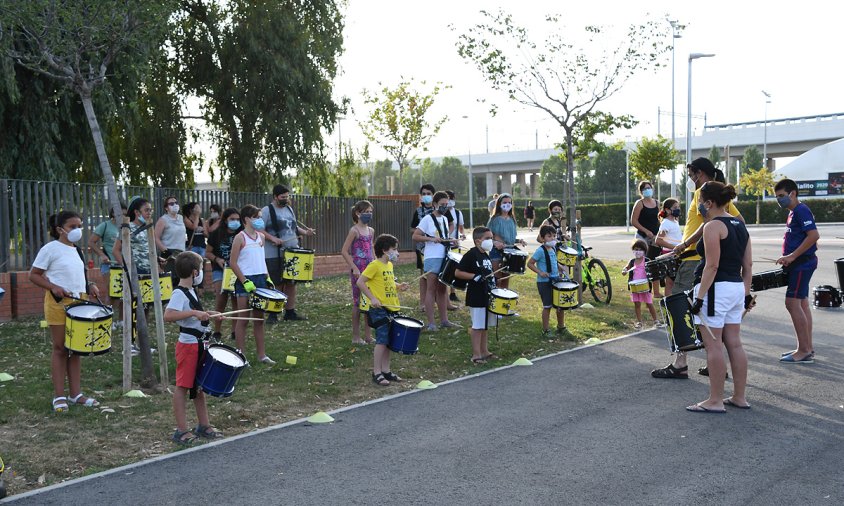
[530,214]
[170,232]
[645,218]
[282,232]
[722,295]
[700,171]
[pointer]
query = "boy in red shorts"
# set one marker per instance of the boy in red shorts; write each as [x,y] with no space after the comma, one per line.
[185,309]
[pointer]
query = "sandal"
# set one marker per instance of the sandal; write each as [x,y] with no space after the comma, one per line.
[479,361]
[180,439]
[671,372]
[60,405]
[380,380]
[89,402]
[491,356]
[391,377]
[207,431]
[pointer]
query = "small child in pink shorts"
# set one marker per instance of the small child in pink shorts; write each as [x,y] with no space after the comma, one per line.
[639,285]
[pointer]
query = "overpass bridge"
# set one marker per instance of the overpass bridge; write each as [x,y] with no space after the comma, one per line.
[786,137]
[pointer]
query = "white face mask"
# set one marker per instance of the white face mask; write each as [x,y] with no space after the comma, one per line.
[450,203]
[551,243]
[174,208]
[639,253]
[506,207]
[74,235]
[691,185]
[393,255]
[197,280]
[486,245]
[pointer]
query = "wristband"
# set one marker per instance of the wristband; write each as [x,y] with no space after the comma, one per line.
[696,307]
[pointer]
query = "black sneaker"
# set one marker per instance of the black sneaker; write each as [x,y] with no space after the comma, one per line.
[216,336]
[291,315]
[453,298]
[272,319]
[704,371]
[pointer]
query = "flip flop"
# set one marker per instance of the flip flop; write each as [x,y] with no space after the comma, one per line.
[697,408]
[729,402]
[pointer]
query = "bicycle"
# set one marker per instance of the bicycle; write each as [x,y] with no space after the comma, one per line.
[595,275]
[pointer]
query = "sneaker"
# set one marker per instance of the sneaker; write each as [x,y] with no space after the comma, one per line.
[272,319]
[431,327]
[659,324]
[291,315]
[453,298]
[449,325]
[561,331]
[135,351]
[547,334]
[267,360]
[637,325]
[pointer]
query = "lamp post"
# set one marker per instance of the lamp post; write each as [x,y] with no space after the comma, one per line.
[471,187]
[692,56]
[627,185]
[765,139]
[675,35]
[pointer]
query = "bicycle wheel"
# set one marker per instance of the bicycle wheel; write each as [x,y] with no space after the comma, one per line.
[601,286]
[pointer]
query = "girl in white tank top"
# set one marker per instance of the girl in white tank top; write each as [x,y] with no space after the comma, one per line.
[251,259]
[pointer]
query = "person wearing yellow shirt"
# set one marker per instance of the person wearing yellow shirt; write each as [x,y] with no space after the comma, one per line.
[699,171]
[378,283]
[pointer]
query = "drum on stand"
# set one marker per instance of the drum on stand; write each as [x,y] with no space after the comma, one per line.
[447,273]
[639,286]
[404,335]
[564,295]
[767,280]
[221,367]
[514,260]
[298,265]
[503,301]
[683,335]
[88,328]
[826,296]
[268,300]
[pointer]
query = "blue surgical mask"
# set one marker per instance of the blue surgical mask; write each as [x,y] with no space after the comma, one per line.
[393,255]
[675,213]
[142,220]
[427,199]
[784,201]
[365,218]
[648,193]
[258,223]
[701,208]
[234,224]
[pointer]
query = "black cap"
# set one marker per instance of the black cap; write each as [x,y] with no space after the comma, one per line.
[702,165]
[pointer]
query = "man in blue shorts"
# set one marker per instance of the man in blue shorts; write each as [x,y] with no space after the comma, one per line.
[799,260]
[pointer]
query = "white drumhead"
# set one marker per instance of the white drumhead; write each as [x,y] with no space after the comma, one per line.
[269,293]
[457,257]
[565,285]
[505,293]
[88,311]
[409,322]
[569,251]
[225,356]
[639,282]
[515,252]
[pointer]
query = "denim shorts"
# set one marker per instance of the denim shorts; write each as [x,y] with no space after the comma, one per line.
[382,333]
[433,265]
[105,269]
[260,281]
[216,275]
[199,250]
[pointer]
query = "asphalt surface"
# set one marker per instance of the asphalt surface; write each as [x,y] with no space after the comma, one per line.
[585,426]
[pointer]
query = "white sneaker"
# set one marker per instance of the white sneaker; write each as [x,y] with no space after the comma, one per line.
[658,324]
[267,360]
[135,351]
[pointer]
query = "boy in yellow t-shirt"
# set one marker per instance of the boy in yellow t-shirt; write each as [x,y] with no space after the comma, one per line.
[378,283]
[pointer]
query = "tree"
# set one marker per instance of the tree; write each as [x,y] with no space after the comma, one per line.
[552,178]
[448,174]
[610,170]
[349,175]
[563,81]
[752,159]
[381,173]
[584,179]
[757,182]
[651,157]
[262,71]
[397,121]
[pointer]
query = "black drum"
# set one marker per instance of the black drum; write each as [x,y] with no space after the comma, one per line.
[515,260]
[683,335]
[662,267]
[447,277]
[826,296]
[768,279]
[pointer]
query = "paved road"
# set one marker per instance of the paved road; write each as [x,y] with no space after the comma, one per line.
[586,426]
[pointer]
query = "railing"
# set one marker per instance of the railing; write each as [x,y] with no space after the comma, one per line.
[26,205]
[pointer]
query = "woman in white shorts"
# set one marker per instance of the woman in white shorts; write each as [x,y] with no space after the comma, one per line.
[722,295]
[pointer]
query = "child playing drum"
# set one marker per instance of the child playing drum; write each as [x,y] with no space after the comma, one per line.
[476,268]
[636,275]
[218,251]
[185,309]
[669,234]
[544,264]
[358,253]
[378,283]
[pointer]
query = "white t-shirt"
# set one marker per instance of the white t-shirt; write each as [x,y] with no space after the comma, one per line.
[180,302]
[673,234]
[427,225]
[62,266]
[457,220]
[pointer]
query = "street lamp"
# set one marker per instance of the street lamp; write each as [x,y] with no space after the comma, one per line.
[471,187]
[675,35]
[765,140]
[627,185]
[692,56]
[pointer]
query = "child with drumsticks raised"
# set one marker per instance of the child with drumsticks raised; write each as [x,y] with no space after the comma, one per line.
[544,264]
[476,268]
[185,309]
[378,283]
[637,280]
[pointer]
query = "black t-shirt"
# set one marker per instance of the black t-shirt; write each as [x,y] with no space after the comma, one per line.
[477,292]
[221,245]
[530,212]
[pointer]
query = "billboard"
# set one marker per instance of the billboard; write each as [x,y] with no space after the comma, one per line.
[834,185]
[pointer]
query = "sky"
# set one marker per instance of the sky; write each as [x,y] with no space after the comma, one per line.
[787,49]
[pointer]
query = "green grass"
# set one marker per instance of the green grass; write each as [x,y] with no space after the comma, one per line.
[330,373]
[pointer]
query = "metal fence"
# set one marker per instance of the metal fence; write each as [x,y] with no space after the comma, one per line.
[26,205]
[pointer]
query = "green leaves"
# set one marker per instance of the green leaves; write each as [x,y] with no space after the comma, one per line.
[651,157]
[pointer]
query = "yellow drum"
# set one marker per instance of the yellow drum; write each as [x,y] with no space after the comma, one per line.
[298,265]
[565,295]
[566,255]
[115,281]
[228,280]
[639,286]
[268,300]
[165,282]
[363,303]
[87,329]
[503,301]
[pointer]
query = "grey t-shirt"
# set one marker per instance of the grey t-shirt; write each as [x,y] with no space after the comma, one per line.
[286,229]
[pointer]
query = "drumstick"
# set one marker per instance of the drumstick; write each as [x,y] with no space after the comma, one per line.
[231,312]
[752,303]
[767,259]
[495,272]
[244,318]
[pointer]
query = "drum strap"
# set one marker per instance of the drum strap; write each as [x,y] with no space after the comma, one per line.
[84,269]
[548,265]
[442,234]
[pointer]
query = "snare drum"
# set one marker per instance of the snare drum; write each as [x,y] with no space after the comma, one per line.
[298,265]
[228,280]
[404,335]
[115,281]
[514,260]
[447,277]
[768,279]
[503,301]
[565,295]
[268,300]
[662,267]
[220,369]
[87,329]
[683,335]
[826,296]
[566,255]
[639,286]
[165,282]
